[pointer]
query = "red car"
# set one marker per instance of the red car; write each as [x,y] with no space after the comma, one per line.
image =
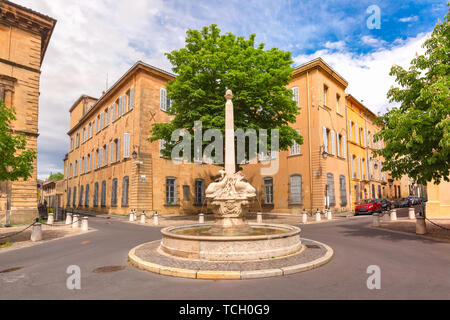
[368,206]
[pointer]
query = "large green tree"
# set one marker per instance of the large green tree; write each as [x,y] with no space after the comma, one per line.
[212,62]
[55,176]
[15,161]
[416,133]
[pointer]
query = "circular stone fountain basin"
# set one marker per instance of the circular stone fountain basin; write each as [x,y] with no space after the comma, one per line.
[262,241]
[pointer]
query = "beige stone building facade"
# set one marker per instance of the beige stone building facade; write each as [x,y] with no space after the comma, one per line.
[24,38]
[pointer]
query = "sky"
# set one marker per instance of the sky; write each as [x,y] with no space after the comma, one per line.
[97,41]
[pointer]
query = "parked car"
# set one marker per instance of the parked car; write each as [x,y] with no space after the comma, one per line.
[405,202]
[368,206]
[386,204]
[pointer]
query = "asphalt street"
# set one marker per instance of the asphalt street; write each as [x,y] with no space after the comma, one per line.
[411,268]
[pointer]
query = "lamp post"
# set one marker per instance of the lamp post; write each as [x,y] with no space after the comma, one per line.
[324,154]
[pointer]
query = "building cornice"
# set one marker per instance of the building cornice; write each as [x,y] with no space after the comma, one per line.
[12,14]
[321,64]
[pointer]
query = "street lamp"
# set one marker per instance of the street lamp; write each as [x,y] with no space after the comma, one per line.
[324,153]
[134,154]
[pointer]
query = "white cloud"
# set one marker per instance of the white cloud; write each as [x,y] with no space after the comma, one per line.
[409,19]
[371,41]
[368,74]
[337,45]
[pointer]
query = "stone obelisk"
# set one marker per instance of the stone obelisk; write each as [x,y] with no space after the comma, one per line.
[230,167]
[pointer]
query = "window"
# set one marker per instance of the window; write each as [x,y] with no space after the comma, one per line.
[126,145]
[96,194]
[295,95]
[2,93]
[325,93]
[268,190]
[325,139]
[111,151]
[330,184]
[171,190]
[71,144]
[295,148]
[90,129]
[379,192]
[186,192]
[86,198]
[352,165]
[350,129]
[373,191]
[114,193]
[80,202]
[164,102]
[68,197]
[125,186]
[344,147]
[76,168]
[358,165]
[118,149]
[131,99]
[199,191]
[338,98]
[89,162]
[74,199]
[342,190]
[356,133]
[113,112]
[333,143]
[103,198]
[108,115]
[296,189]
[105,158]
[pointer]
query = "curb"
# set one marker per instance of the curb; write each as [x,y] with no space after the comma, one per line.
[227,274]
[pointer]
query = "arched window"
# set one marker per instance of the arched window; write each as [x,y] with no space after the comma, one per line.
[86,198]
[114,193]
[330,184]
[295,189]
[96,194]
[74,199]
[103,199]
[342,190]
[125,191]
[80,202]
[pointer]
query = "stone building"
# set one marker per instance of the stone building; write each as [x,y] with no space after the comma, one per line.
[52,193]
[24,38]
[111,167]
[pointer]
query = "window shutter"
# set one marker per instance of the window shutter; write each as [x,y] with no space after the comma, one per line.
[111,151]
[350,129]
[333,141]
[126,145]
[118,150]
[356,133]
[295,95]
[338,140]
[113,110]
[131,105]
[163,100]
[358,165]
[325,139]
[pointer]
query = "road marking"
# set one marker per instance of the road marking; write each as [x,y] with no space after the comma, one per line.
[86,242]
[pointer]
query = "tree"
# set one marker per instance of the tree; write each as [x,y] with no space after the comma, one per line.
[15,161]
[416,133]
[55,176]
[209,64]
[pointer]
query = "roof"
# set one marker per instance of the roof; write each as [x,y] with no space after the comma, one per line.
[12,13]
[320,63]
[109,92]
[350,97]
[83,96]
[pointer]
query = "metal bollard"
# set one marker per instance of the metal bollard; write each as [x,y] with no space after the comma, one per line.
[304,217]
[421,227]
[84,224]
[393,215]
[259,218]
[50,218]
[76,221]
[69,218]
[201,218]
[155,218]
[376,220]
[143,217]
[411,214]
[36,233]
[318,218]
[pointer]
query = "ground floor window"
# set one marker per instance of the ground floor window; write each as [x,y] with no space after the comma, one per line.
[379,192]
[343,190]
[296,189]
[80,202]
[331,194]
[96,194]
[268,190]
[86,198]
[114,193]
[68,197]
[186,192]
[125,186]
[199,191]
[171,190]
[74,200]
[103,199]
[373,191]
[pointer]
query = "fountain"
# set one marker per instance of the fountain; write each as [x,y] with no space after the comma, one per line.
[231,241]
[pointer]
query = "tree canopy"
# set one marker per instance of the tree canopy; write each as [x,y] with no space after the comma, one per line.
[416,133]
[211,63]
[15,161]
[55,176]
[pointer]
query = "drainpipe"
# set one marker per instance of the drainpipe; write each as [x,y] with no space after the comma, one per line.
[309,142]
[348,160]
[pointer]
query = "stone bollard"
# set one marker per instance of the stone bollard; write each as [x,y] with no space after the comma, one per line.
[304,217]
[201,218]
[411,214]
[50,218]
[318,218]
[84,224]
[36,233]
[329,215]
[155,219]
[421,227]
[376,220]
[143,217]
[135,215]
[259,218]
[393,215]
[76,221]
[386,216]
[131,219]
[69,218]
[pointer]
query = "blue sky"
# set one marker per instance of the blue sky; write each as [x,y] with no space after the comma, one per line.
[94,39]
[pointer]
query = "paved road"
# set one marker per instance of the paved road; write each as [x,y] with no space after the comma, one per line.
[411,268]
